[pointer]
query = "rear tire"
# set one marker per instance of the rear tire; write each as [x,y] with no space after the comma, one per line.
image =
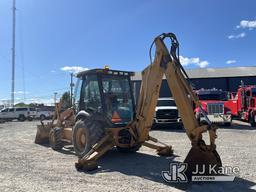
[93,129]
[22,118]
[203,122]
[30,118]
[227,124]
[55,139]
[154,126]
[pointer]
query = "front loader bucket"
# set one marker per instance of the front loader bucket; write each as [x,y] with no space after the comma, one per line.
[42,134]
[202,162]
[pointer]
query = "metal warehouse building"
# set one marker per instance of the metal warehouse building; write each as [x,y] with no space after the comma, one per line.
[227,79]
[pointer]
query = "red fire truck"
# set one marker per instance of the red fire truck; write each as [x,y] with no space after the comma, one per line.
[214,103]
[243,103]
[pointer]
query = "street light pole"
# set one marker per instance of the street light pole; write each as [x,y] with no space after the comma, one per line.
[13,51]
[71,89]
[55,98]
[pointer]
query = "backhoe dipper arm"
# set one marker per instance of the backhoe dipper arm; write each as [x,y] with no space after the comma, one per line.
[168,64]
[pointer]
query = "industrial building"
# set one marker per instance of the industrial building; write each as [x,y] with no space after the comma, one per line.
[227,79]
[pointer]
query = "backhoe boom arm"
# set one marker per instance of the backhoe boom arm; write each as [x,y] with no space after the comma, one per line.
[167,63]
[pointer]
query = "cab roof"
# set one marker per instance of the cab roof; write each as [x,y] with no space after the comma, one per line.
[105,71]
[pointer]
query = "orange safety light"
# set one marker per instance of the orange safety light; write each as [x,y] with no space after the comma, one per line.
[115,117]
[106,67]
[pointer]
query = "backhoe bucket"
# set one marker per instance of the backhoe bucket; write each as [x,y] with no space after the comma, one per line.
[42,134]
[202,162]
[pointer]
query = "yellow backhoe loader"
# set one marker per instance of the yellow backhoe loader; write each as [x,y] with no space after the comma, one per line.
[106,116]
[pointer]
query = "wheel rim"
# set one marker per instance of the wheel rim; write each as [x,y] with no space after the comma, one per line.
[80,139]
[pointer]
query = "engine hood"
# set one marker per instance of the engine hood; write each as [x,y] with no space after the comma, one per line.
[211,101]
[165,107]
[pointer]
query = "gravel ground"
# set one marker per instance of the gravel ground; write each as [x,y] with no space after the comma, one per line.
[25,166]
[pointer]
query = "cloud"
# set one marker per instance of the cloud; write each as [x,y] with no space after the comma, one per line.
[185,61]
[203,64]
[52,71]
[247,24]
[230,61]
[73,69]
[240,35]
[49,101]
[21,92]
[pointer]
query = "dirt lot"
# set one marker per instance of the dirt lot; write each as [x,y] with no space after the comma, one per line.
[25,166]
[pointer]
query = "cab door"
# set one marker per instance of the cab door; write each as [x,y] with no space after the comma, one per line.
[90,99]
[248,98]
[11,113]
[4,113]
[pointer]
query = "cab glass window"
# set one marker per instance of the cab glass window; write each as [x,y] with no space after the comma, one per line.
[118,99]
[21,109]
[90,95]
[11,110]
[5,110]
[77,94]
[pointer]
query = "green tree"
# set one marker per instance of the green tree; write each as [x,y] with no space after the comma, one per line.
[20,105]
[66,100]
[36,105]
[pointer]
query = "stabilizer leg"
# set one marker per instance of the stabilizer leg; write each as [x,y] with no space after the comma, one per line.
[88,162]
[164,150]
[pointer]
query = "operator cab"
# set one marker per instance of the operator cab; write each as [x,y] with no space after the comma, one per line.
[106,91]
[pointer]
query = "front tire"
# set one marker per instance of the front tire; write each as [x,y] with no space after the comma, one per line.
[55,139]
[252,120]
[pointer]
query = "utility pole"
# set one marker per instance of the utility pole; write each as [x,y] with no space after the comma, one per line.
[71,89]
[13,51]
[55,98]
